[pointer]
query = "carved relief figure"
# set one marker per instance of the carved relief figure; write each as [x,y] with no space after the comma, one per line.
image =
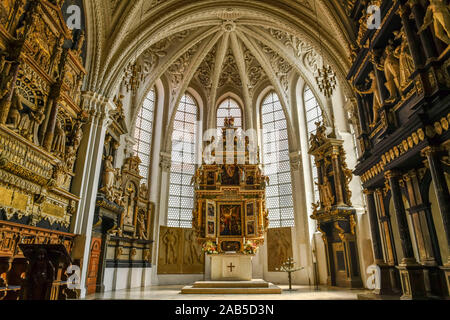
[438,14]
[405,59]
[170,244]
[376,97]
[59,141]
[391,68]
[279,247]
[192,254]
[14,111]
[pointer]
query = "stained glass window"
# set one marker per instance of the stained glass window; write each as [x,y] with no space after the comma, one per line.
[143,134]
[229,108]
[313,115]
[181,192]
[276,163]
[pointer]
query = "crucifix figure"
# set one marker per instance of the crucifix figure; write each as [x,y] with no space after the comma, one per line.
[231,267]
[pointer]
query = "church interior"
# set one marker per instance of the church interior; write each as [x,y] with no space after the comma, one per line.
[170,149]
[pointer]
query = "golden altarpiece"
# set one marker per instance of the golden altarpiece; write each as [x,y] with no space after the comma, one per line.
[334,212]
[41,72]
[121,234]
[230,212]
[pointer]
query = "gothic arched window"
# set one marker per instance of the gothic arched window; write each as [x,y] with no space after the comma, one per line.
[313,115]
[181,192]
[229,107]
[143,134]
[276,163]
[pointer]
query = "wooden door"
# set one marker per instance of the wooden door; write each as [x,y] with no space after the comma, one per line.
[340,269]
[94,259]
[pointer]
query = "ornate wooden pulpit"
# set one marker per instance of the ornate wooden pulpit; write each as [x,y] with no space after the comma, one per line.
[46,271]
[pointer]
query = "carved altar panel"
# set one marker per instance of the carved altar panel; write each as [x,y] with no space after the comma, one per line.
[179,252]
[193,257]
[279,247]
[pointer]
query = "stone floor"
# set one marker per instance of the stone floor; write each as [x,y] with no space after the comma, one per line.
[172,292]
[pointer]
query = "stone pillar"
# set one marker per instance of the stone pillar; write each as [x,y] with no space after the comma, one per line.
[302,242]
[86,180]
[165,165]
[443,198]
[411,273]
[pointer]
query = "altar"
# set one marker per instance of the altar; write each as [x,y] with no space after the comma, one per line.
[230,267]
[230,217]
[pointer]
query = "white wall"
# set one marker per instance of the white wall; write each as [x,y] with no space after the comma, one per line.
[126,278]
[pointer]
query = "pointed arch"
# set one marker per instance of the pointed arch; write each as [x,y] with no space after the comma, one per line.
[229,107]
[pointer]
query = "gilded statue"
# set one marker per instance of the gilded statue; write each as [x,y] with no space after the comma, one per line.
[438,14]
[59,140]
[320,137]
[78,135]
[29,124]
[108,177]
[80,42]
[196,179]
[391,67]
[242,174]
[70,157]
[143,191]
[406,61]
[376,97]
[4,62]
[325,192]
[141,226]
[14,111]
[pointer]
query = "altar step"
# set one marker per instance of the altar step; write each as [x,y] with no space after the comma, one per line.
[232,287]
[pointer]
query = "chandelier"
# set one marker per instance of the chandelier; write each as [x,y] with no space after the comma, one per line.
[326,80]
[133,77]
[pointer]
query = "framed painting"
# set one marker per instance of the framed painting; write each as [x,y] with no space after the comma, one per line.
[210,219]
[230,219]
[250,209]
[251,228]
[211,210]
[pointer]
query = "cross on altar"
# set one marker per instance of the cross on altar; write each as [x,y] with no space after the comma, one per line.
[231,267]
